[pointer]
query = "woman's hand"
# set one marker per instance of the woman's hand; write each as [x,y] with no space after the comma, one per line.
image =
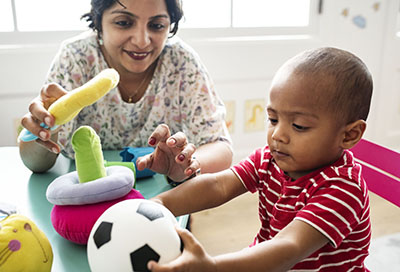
[173,155]
[194,257]
[38,114]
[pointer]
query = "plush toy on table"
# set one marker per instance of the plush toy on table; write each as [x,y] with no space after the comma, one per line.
[23,246]
[80,197]
[68,106]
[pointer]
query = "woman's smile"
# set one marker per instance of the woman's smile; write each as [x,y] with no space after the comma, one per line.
[137,55]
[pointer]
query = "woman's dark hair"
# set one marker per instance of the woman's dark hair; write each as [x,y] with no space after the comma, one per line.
[98,7]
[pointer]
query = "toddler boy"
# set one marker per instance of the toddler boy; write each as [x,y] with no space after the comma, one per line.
[313,200]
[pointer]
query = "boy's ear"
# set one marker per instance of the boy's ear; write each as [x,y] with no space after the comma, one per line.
[353,133]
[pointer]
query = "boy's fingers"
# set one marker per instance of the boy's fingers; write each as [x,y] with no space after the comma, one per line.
[171,266]
[186,236]
[188,239]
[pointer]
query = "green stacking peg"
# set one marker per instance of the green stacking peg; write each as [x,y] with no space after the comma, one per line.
[89,159]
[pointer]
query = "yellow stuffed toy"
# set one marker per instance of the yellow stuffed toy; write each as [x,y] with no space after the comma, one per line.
[68,106]
[23,246]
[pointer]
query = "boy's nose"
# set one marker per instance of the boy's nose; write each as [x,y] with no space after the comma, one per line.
[279,134]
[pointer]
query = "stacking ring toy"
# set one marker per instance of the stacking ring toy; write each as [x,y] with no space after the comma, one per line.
[67,190]
[74,222]
[80,197]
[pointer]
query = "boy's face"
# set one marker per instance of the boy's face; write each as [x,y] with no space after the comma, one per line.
[303,134]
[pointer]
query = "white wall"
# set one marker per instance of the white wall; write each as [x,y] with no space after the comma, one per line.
[378,46]
[242,71]
[243,68]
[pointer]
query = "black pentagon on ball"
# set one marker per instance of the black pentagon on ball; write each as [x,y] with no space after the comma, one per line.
[150,210]
[102,234]
[141,256]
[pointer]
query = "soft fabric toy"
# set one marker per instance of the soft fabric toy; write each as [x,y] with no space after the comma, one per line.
[89,159]
[23,246]
[92,182]
[74,222]
[69,105]
[80,197]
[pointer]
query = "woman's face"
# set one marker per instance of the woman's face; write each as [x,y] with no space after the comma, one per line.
[135,35]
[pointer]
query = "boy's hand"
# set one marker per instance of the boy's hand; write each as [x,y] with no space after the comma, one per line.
[172,155]
[194,258]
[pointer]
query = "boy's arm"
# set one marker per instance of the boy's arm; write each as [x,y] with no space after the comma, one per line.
[202,192]
[295,242]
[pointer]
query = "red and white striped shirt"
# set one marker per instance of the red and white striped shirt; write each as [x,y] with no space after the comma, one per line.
[334,200]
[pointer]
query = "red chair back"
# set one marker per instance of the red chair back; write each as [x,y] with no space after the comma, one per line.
[381,169]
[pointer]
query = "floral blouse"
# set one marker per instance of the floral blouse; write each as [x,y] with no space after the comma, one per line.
[181,94]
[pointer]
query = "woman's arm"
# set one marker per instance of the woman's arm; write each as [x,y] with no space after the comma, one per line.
[214,157]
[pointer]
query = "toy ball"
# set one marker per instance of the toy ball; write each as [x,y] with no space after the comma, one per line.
[131,233]
[23,246]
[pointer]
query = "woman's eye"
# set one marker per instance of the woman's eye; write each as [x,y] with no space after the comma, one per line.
[123,23]
[156,26]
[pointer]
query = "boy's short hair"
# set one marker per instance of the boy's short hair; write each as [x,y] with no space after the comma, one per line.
[347,79]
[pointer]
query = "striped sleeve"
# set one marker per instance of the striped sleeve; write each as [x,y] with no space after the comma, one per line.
[334,209]
[248,170]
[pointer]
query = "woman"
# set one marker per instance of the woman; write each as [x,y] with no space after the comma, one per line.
[164,90]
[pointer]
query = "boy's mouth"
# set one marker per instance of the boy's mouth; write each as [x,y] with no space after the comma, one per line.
[278,155]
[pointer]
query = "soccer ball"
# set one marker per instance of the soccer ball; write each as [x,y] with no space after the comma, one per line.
[131,233]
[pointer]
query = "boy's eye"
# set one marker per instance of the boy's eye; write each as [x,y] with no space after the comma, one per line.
[273,121]
[300,128]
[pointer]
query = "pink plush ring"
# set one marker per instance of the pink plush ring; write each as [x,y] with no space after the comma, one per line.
[74,222]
